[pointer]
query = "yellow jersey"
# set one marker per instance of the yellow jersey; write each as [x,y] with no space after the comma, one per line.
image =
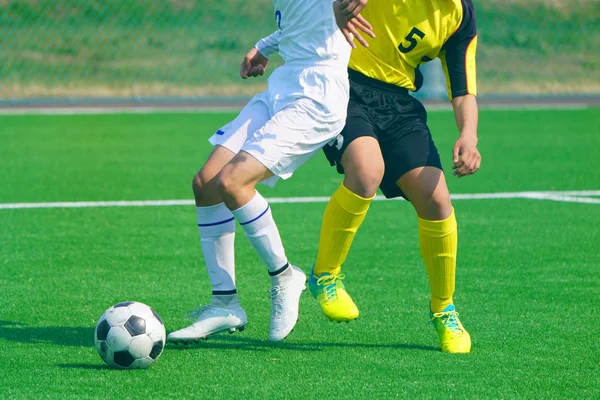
[413,32]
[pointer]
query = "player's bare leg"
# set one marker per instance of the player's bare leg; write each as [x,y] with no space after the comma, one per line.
[238,179]
[236,184]
[345,212]
[363,165]
[217,233]
[204,183]
[426,189]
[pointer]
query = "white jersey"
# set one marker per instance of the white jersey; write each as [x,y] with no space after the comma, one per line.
[305,104]
[307,34]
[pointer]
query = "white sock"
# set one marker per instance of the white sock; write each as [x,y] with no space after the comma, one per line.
[217,234]
[256,219]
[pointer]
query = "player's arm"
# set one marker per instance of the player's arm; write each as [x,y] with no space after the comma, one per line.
[255,62]
[465,155]
[458,61]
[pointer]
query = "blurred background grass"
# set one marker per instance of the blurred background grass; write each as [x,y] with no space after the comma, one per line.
[190,48]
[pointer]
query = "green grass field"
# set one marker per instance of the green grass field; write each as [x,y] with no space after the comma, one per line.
[527,289]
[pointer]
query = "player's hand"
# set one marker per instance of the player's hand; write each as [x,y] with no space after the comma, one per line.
[254,64]
[465,156]
[350,25]
[351,8]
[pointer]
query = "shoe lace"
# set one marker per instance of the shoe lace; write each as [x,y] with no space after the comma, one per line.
[329,283]
[195,314]
[449,319]
[275,294]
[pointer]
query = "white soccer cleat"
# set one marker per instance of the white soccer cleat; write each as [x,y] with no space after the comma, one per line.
[211,320]
[284,305]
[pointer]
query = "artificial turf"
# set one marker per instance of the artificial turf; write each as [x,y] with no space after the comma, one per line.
[527,280]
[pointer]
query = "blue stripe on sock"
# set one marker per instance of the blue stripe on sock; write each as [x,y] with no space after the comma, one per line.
[252,220]
[218,223]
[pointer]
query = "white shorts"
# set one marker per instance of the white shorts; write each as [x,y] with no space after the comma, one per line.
[302,110]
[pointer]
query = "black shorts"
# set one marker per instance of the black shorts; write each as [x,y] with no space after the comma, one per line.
[393,117]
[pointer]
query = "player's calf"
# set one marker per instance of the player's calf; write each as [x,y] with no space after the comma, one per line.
[236,184]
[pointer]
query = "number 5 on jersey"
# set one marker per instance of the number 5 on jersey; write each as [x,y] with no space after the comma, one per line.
[412,41]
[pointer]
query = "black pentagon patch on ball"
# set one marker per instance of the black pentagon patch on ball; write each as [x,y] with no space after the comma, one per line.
[157,349]
[123,358]
[135,325]
[102,330]
[156,316]
[123,304]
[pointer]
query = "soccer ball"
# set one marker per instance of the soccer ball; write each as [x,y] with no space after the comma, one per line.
[130,335]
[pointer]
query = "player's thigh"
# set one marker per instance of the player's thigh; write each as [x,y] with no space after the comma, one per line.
[292,136]
[426,189]
[242,171]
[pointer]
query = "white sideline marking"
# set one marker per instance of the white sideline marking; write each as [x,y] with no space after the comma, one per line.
[571,196]
[99,110]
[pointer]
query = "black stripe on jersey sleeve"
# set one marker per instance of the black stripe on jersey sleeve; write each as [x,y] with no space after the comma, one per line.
[455,50]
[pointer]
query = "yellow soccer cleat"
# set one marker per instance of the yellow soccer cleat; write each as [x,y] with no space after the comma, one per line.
[329,291]
[453,336]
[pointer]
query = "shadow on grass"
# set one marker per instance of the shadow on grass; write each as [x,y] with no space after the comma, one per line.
[60,335]
[87,366]
[84,337]
[239,342]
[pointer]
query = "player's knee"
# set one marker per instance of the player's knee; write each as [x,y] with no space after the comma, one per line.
[436,207]
[226,182]
[441,201]
[198,183]
[201,185]
[364,185]
[363,166]
[364,181]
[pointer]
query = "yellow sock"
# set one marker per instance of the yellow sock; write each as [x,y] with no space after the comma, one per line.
[439,242]
[343,216]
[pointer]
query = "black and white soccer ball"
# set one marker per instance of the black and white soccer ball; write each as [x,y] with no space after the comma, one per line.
[130,335]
